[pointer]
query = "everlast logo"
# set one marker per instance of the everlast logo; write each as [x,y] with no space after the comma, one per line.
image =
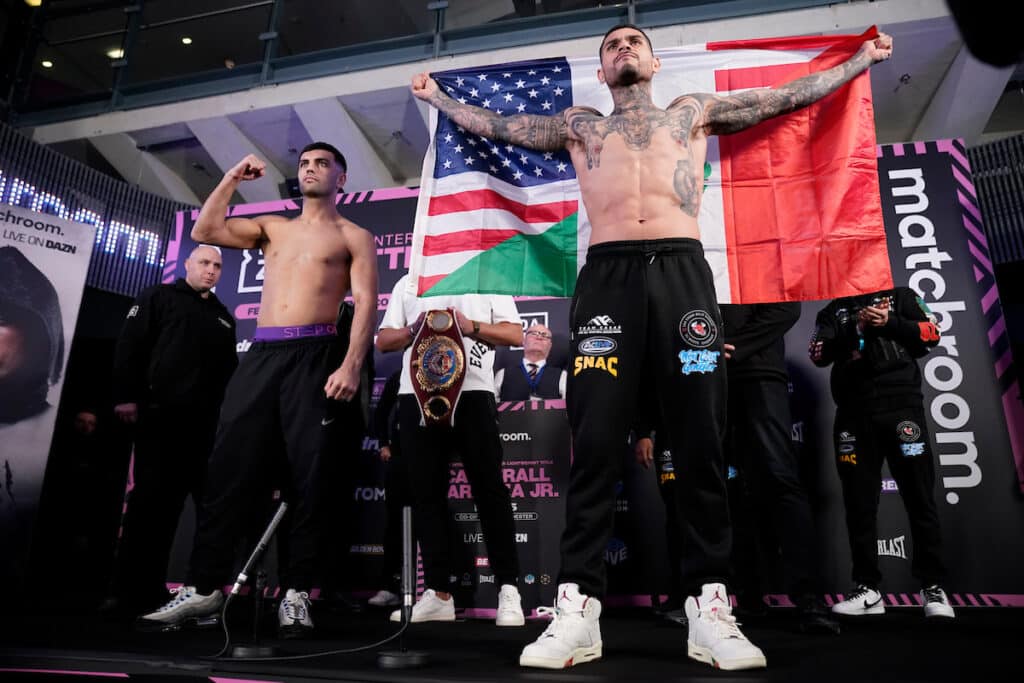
[606,363]
[892,547]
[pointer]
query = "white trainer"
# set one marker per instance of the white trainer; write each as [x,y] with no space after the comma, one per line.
[429,608]
[936,604]
[573,636]
[385,598]
[510,607]
[861,600]
[186,606]
[715,637]
[293,618]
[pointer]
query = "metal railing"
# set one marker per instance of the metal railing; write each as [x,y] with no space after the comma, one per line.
[127,91]
[998,170]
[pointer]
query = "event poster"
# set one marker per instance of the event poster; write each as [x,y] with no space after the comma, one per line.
[43,263]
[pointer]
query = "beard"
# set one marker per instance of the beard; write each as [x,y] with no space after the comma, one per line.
[629,75]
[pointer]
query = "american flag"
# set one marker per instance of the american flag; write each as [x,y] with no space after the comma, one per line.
[493,205]
[535,87]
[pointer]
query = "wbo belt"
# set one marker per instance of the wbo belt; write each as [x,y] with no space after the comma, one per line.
[437,367]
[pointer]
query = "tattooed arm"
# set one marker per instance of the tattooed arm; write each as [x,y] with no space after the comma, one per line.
[733,113]
[542,133]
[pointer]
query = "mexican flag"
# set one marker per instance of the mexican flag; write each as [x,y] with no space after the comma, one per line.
[791,208]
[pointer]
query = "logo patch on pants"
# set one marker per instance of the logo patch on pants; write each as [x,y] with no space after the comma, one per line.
[908,431]
[606,363]
[701,362]
[698,329]
[912,449]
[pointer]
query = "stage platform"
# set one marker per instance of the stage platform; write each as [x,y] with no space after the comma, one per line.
[982,644]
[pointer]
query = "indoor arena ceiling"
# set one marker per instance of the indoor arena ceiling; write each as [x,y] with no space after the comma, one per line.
[931,88]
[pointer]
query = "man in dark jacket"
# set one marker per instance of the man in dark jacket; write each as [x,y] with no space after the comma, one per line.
[759,446]
[873,342]
[173,360]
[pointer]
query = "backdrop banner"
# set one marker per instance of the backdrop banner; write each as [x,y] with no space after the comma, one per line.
[43,262]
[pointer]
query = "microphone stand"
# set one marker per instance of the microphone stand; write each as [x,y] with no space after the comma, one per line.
[255,649]
[403,658]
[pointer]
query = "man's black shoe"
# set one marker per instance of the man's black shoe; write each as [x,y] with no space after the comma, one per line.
[814,618]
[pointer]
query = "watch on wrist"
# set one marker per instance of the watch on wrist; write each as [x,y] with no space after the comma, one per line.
[476,327]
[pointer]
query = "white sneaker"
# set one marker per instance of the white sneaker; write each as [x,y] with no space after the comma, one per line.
[715,637]
[429,608]
[861,600]
[573,636]
[293,618]
[385,598]
[510,607]
[186,606]
[936,604]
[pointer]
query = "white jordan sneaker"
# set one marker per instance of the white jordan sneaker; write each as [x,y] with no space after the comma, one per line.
[573,636]
[715,637]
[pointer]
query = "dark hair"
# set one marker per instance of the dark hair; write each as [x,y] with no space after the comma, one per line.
[326,147]
[617,27]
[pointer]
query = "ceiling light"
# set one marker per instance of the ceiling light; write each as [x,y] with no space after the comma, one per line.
[185,40]
[115,53]
[34,3]
[47,64]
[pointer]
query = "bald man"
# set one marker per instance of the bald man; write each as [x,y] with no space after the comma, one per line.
[173,360]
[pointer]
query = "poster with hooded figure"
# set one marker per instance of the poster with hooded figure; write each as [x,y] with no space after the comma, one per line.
[43,263]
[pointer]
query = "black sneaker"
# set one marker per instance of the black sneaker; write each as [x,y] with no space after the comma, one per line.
[814,617]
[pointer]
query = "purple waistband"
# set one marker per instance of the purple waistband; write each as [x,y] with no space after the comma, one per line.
[294,332]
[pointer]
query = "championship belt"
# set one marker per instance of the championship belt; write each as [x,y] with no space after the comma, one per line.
[438,366]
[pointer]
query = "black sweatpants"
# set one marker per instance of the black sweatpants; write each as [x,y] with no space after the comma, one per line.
[172,447]
[277,430]
[898,436]
[645,319]
[427,451]
[759,443]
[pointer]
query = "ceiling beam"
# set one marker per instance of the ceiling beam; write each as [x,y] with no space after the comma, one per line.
[227,145]
[328,121]
[143,168]
[964,101]
[848,17]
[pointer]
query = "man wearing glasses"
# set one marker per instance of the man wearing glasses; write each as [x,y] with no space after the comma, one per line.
[532,378]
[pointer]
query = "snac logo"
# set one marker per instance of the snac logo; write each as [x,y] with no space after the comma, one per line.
[596,363]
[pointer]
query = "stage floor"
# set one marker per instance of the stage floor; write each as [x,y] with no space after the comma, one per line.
[981,644]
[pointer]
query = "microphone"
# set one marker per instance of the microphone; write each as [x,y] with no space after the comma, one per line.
[243,576]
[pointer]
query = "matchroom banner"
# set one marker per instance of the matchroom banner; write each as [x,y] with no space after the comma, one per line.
[43,262]
[971,392]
